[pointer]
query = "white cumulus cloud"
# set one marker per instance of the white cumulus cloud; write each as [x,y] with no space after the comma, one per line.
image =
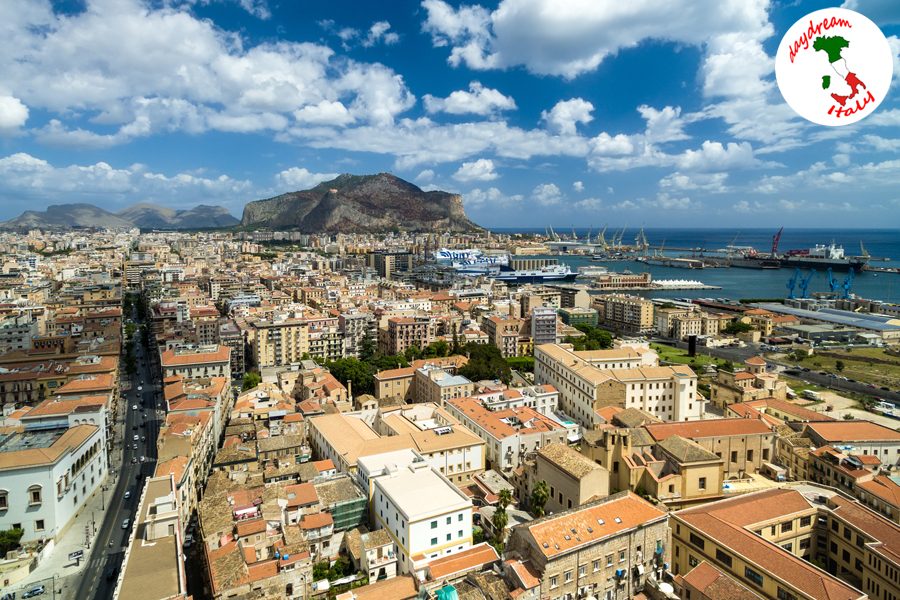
[567,114]
[301,178]
[13,114]
[479,100]
[547,194]
[477,170]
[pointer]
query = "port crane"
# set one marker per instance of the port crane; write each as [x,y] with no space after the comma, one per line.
[775,239]
[792,283]
[848,283]
[574,235]
[601,239]
[804,284]
[832,282]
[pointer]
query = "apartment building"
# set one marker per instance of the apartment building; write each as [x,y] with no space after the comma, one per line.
[404,332]
[509,434]
[543,325]
[47,476]
[743,444]
[230,335]
[186,447]
[16,333]
[197,361]
[540,297]
[504,333]
[278,342]
[426,516]
[354,327]
[572,478]
[153,568]
[387,263]
[606,549]
[586,385]
[433,384]
[398,383]
[772,542]
[579,316]
[448,446]
[628,314]
[858,476]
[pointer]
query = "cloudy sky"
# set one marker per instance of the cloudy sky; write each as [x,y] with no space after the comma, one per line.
[585,112]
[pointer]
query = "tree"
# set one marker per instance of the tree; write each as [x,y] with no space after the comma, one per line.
[499,521]
[367,346]
[251,380]
[359,373]
[9,540]
[485,362]
[504,498]
[594,338]
[439,348]
[539,496]
[455,348]
[735,327]
[839,365]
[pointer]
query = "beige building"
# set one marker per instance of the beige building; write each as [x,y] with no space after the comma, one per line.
[743,444]
[629,314]
[278,342]
[752,382]
[587,383]
[398,383]
[504,333]
[404,332]
[605,549]
[572,478]
[448,446]
[197,361]
[433,384]
[772,542]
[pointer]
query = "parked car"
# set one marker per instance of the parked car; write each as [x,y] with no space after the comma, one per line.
[143,458]
[126,523]
[134,407]
[127,494]
[35,591]
[136,437]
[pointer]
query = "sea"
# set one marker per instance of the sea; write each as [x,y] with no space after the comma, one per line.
[739,283]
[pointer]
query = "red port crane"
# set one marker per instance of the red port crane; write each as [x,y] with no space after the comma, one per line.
[775,239]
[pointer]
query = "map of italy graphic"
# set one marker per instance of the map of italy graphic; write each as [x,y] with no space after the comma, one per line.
[833,47]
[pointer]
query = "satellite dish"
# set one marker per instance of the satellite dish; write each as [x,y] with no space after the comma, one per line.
[666,588]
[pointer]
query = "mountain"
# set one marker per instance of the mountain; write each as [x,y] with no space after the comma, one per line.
[67,215]
[144,216]
[360,204]
[151,216]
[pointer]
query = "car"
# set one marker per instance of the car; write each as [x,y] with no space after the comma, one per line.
[134,446]
[127,494]
[143,459]
[143,438]
[133,460]
[188,540]
[134,407]
[140,389]
[143,415]
[35,591]
[136,437]
[126,523]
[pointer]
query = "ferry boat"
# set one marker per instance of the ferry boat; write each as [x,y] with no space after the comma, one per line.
[824,257]
[475,263]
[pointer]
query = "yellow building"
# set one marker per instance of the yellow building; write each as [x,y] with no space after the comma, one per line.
[631,314]
[278,342]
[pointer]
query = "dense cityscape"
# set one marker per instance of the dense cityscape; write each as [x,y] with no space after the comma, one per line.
[287,415]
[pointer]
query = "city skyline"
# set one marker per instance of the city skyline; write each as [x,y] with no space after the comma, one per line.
[580,114]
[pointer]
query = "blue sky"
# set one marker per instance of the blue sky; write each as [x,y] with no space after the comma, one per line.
[538,112]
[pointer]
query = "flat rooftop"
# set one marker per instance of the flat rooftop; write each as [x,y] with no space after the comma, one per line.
[29,440]
[421,493]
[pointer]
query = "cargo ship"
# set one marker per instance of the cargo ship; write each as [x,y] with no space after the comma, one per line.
[823,257]
[475,263]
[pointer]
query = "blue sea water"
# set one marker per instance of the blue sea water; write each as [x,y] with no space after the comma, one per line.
[754,283]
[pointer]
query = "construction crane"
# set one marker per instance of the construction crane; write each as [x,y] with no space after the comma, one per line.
[848,283]
[804,284]
[792,283]
[832,282]
[775,239]
[601,239]
[862,250]
[590,233]
[553,235]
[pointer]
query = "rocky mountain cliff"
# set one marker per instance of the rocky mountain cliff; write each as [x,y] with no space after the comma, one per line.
[144,216]
[360,204]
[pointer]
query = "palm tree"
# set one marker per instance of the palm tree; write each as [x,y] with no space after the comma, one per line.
[539,496]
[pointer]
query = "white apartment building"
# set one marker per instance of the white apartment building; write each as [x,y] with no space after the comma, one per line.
[586,384]
[47,475]
[509,434]
[426,516]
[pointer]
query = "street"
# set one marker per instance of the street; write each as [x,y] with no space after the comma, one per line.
[109,549]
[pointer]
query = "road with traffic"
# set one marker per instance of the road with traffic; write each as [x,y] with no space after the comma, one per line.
[135,445]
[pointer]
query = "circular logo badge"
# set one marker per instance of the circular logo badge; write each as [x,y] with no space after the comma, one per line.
[834,67]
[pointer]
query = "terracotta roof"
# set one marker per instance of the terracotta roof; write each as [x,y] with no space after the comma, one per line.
[70,440]
[884,488]
[553,535]
[713,583]
[756,361]
[707,428]
[171,359]
[324,465]
[476,557]
[853,431]
[250,526]
[571,461]
[526,575]
[316,521]
[65,406]
[402,587]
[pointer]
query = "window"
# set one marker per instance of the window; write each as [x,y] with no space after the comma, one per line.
[692,561]
[833,548]
[845,556]
[753,576]
[805,521]
[734,456]
[434,524]
[621,556]
[568,576]
[609,560]
[596,566]
[787,526]
[697,541]
[459,517]
[848,535]
[785,595]
[434,541]
[4,503]
[858,565]
[459,533]
[39,525]
[723,557]
[554,581]
[750,455]
[34,494]
[765,454]
[702,483]
[449,520]
[834,525]
[449,536]
[582,570]
[789,546]
[671,488]
[804,543]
